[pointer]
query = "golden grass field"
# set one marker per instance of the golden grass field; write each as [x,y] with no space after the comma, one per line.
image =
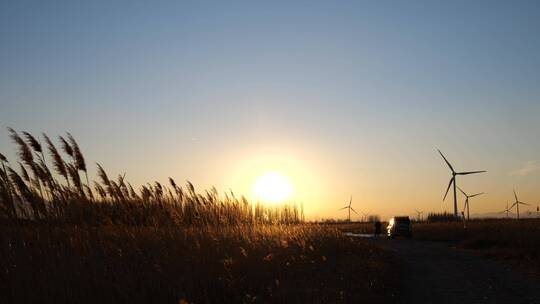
[65,240]
[517,241]
[296,264]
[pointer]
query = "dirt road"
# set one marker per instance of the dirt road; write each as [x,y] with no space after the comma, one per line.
[438,273]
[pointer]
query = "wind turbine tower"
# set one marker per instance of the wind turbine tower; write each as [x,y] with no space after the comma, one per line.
[419,215]
[364,216]
[453,181]
[517,203]
[350,208]
[467,197]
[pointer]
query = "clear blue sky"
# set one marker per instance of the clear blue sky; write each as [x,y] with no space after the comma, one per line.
[354,97]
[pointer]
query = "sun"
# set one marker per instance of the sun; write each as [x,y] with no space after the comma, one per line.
[272,187]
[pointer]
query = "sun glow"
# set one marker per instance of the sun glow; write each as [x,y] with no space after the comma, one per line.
[272,187]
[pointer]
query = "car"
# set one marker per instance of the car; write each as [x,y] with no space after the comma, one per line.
[399,226]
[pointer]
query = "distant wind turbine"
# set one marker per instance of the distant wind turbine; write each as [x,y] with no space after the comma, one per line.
[365,216]
[419,215]
[507,211]
[517,203]
[350,208]
[453,181]
[467,197]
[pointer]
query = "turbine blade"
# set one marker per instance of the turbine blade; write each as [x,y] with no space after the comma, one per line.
[477,194]
[470,172]
[523,203]
[515,195]
[462,191]
[354,211]
[512,205]
[350,201]
[448,189]
[447,162]
[344,208]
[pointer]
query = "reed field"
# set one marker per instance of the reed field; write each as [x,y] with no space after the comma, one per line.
[67,239]
[515,240]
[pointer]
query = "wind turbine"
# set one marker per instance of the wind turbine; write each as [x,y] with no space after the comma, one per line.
[453,181]
[517,203]
[419,214]
[365,216]
[507,211]
[467,197]
[350,208]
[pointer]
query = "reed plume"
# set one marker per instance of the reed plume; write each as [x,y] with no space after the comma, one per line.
[89,191]
[172,182]
[77,154]
[7,192]
[100,190]
[75,178]
[78,157]
[58,163]
[24,173]
[190,187]
[118,201]
[24,193]
[32,142]
[132,192]
[26,156]
[3,158]
[65,146]
[110,185]
[24,152]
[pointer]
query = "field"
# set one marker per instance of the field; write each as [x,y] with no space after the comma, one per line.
[203,265]
[516,241]
[65,240]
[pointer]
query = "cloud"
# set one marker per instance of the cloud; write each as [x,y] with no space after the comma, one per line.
[527,168]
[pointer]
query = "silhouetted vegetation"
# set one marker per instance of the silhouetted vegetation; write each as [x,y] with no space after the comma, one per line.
[65,239]
[517,240]
[373,218]
[35,194]
[368,219]
[441,217]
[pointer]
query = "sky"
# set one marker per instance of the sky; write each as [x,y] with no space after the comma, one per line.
[342,97]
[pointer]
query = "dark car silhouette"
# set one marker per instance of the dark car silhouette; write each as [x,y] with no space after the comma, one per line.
[399,226]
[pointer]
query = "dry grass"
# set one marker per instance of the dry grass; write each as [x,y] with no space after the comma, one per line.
[65,241]
[294,264]
[37,193]
[517,240]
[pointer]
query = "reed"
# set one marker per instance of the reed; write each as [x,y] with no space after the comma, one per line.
[164,243]
[207,264]
[117,200]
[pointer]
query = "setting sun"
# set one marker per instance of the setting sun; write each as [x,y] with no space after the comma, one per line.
[272,187]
